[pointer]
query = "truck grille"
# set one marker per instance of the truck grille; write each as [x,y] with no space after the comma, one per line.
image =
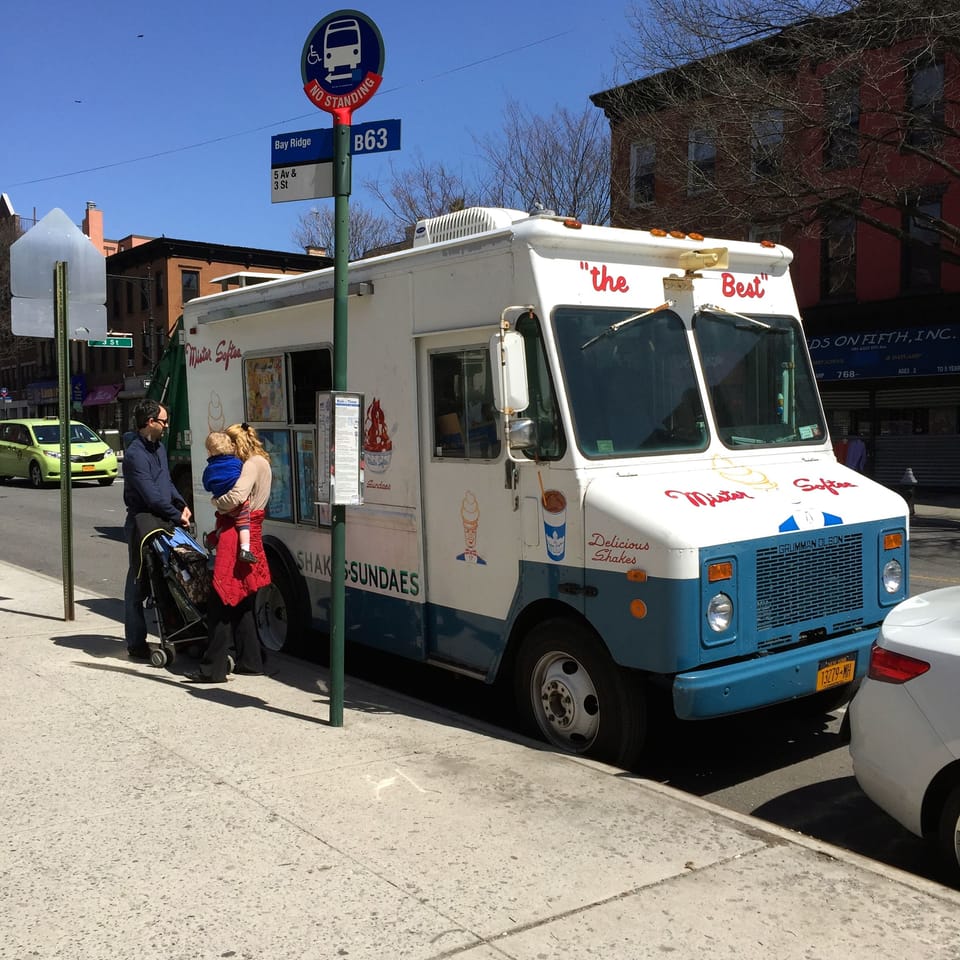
[808,579]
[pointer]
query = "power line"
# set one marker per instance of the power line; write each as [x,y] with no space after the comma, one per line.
[274,125]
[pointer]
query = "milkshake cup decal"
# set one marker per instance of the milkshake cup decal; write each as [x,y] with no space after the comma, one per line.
[555,523]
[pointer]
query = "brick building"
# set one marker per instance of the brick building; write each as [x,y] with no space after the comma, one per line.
[851,162]
[148,282]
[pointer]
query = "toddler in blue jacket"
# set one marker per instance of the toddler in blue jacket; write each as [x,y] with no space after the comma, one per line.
[219,477]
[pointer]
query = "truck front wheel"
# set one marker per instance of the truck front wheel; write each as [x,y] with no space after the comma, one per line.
[570,690]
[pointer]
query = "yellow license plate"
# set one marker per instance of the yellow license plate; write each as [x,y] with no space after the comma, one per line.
[832,673]
[88,467]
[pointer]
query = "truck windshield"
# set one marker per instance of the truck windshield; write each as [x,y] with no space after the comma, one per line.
[761,387]
[632,389]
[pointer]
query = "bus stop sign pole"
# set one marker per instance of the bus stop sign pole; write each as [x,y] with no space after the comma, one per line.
[341,66]
[338,512]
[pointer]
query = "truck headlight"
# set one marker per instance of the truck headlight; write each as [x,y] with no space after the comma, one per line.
[720,612]
[892,576]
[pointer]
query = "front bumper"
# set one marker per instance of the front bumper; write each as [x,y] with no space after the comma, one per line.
[762,681]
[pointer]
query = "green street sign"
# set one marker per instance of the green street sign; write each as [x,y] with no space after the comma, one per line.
[112,342]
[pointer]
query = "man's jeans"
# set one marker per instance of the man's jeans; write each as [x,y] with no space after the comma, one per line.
[134,622]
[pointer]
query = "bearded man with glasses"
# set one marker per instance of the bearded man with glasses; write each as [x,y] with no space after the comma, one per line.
[147,488]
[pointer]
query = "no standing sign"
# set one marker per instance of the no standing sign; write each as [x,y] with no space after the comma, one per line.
[342,62]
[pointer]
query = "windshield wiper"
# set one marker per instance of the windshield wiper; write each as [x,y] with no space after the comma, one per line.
[712,308]
[620,324]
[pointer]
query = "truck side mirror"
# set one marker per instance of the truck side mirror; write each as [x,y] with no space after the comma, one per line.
[522,434]
[508,363]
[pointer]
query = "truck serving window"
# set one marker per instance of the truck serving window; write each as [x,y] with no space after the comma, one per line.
[280,397]
[762,389]
[631,382]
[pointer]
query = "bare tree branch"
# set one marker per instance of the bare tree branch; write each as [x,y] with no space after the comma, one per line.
[561,162]
[835,74]
[317,228]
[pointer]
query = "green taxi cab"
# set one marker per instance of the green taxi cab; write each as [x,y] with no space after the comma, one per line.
[31,449]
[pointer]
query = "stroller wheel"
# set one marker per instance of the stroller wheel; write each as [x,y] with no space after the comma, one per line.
[171,653]
[231,663]
[158,657]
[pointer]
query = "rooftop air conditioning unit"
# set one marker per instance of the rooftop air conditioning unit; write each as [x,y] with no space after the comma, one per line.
[464,223]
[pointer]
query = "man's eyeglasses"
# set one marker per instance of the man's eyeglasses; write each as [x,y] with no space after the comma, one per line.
[160,420]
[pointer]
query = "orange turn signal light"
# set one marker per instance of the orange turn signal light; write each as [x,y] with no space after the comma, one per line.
[720,571]
[892,541]
[637,576]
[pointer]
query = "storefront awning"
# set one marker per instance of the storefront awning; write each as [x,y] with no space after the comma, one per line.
[103,394]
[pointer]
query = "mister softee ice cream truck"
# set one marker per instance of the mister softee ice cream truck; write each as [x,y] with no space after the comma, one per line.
[595,463]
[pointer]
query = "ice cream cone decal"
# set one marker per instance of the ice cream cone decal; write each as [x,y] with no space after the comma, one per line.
[470,517]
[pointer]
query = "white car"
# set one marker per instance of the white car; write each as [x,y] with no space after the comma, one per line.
[905,720]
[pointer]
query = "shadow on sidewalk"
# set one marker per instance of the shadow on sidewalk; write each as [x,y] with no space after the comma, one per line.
[217,693]
[297,674]
[839,812]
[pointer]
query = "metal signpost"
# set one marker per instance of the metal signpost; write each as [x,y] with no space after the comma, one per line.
[341,66]
[46,301]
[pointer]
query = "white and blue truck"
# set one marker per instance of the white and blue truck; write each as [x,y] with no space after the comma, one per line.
[596,466]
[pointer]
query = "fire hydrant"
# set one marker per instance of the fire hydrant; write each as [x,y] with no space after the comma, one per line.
[908,484]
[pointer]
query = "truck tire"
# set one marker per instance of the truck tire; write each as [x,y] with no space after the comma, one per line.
[280,608]
[570,691]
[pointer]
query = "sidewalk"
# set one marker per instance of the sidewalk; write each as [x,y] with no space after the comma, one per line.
[148,818]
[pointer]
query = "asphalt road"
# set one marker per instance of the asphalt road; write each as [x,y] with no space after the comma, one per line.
[785,765]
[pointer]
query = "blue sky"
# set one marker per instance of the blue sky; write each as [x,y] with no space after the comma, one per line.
[169,132]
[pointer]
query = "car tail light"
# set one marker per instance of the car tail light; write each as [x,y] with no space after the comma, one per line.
[893,667]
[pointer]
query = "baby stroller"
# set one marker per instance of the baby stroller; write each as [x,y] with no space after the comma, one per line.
[177,577]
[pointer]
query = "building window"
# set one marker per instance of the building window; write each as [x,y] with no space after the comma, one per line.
[841,146]
[925,100]
[128,286]
[144,294]
[189,284]
[701,161]
[158,290]
[760,231]
[643,157]
[921,253]
[766,144]
[839,273]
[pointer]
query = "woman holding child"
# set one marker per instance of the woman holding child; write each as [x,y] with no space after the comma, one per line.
[236,579]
